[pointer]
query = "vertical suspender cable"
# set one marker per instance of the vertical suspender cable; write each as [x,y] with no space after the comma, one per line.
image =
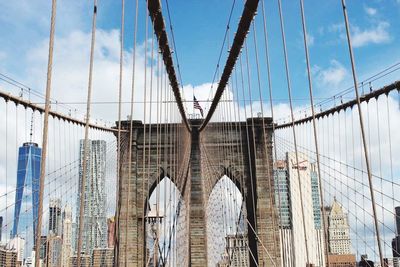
[149,134]
[293,125]
[390,153]
[121,61]
[268,74]
[85,146]
[144,140]
[310,85]
[45,132]
[265,143]
[380,169]
[130,134]
[360,116]
[273,117]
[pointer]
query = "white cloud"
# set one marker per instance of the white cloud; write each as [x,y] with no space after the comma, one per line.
[370,11]
[376,35]
[331,77]
[70,74]
[204,94]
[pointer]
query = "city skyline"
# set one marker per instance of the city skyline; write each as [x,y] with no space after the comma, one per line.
[263,132]
[57,240]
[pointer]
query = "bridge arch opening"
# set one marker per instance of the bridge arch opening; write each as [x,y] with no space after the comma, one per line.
[227,241]
[165,227]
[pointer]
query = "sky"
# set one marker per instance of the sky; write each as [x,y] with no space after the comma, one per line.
[199,28]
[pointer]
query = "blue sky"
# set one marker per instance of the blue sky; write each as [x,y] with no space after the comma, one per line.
[199,27]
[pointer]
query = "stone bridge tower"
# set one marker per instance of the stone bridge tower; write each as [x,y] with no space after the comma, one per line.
[182,157]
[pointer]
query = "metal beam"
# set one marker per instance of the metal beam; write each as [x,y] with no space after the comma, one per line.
[249,11]
[27,104]
[156,16]
[350,104]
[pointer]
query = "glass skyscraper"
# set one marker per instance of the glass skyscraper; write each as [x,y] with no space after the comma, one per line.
[299,208]
[315,197]
[27,193]
[94,234]
[282,194]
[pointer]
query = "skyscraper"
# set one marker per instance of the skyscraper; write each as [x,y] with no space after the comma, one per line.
[94,234]
[339,236]
[54,248]
[67,236]
[43,252]
[289,200]
[18,244]
[338,230]
[55,217]
[397,219]
[396,239]
[282,194]
[27,193]
[103,257]
[8,257]
[315,197]
[282,200]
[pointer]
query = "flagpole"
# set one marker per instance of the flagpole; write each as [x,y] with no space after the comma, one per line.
[193,102]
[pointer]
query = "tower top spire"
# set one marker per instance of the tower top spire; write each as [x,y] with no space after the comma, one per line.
[31,132]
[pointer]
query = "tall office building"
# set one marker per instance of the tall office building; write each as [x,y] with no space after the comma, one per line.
[18,244]
[338,230]
[54,249]
[396,239]
[282,194]
[316,203]
[339,236]
[27,193]
[66,236]
[397,219]
[8,257]
[103,257]
[94,232]
[43,252]
[86,261]
[289,201]
[282,200]
[317,214]
[55,223]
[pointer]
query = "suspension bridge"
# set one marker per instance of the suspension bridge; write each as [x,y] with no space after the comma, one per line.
[231,180]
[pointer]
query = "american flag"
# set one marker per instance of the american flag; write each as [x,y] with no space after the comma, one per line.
[196,105]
